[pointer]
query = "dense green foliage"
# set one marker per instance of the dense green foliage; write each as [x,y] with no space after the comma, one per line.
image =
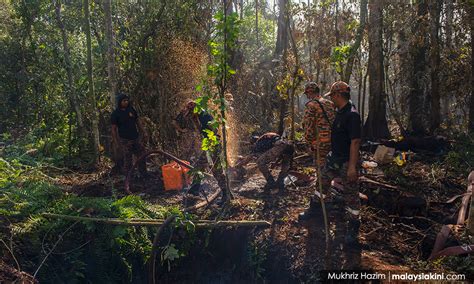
[74,251]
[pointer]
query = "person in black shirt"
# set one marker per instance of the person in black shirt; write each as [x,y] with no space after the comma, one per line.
[125,133]
[343,159]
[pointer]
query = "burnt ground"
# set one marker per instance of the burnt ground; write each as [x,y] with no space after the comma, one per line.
[400,220]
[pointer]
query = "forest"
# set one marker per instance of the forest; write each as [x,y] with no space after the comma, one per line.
[236,141]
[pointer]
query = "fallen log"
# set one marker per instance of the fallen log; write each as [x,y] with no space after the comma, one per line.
[203,203]
[465,200]
[158,222]
[434,144]
[452,251]
[443,235]
[301,157]
[440,240]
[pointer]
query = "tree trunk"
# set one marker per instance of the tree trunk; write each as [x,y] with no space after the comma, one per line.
[404,68]
[109,35]
[241,5]
[296,79]
[471,104]
[364,95]
[67,59]
[449,22]
[310,43]
[282,33]
[417,96]
[280,53]
[227,194]
[256,22]
[336,28]
[376,125]
[355,47]
[95,115]
[435,9]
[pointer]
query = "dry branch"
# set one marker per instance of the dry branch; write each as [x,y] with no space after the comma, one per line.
[367,180]
[157,222]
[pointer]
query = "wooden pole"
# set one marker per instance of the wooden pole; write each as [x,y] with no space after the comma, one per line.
[155,222]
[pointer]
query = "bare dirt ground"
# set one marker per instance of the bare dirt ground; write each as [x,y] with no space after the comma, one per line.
[393,235]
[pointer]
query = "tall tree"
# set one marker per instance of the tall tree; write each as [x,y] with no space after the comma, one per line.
[109,35]
[435,10]
[256,22]
[471,104]
[310,42]
[449,22]
[90,77]
[376,125]
[68,65]
[282,31]
[281,50]
[336,27]
[355,47]
[417,97]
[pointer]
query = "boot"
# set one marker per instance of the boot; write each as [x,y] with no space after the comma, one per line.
[352,235]
[280,184]
[195,188]
[310,212]
[269,185]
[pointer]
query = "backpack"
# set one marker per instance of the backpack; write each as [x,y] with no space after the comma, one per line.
[264,144]
[325,114]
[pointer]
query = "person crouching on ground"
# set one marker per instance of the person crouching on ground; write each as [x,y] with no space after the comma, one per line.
[270,147]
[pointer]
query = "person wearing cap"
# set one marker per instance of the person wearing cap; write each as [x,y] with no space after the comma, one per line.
[186,125]
[198,122]
[343,159]
[317,121]
[126,130]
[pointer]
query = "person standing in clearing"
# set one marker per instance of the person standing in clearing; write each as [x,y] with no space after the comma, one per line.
[343,159]
[318,118]
[126,134]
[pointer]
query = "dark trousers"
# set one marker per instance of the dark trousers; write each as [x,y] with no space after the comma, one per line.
[281,149]
[131,148]
[216,169]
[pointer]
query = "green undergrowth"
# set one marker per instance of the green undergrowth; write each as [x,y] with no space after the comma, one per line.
[454,166]
[460,160]
[77,251]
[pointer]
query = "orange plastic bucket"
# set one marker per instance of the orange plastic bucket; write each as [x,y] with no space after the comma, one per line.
[175,177]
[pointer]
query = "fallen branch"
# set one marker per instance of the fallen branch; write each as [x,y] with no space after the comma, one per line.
[452,251]
[10,250]
[205,202]
[440,240]
[368,180]
[60,238]
[465,200]
[301,157]
[443,235]
[154,248]
[413,218]
[156,222]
